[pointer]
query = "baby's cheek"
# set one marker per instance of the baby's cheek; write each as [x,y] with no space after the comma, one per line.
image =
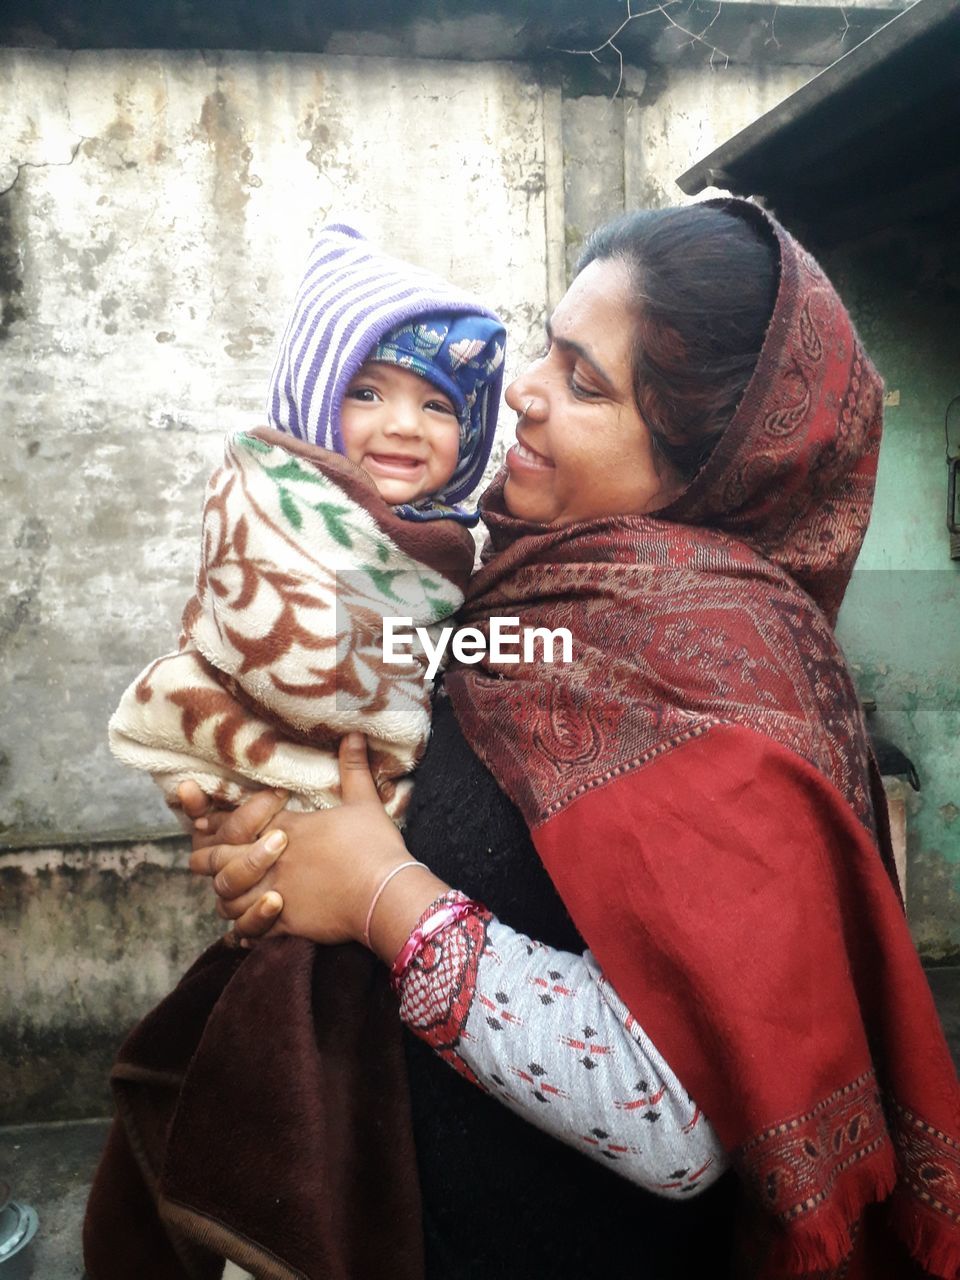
[447,456]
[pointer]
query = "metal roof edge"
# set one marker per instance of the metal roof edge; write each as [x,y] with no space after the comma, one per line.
[901,31]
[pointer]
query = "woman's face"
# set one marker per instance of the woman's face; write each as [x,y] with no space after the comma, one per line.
[583,449]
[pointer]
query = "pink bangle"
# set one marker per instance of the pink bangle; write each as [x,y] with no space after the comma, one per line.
[436,922]
[376,897]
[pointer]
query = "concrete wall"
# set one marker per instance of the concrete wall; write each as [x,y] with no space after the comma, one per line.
[90,939]
[625,152]
[686,112]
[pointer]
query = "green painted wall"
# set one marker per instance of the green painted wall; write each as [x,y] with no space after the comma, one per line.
[900,623]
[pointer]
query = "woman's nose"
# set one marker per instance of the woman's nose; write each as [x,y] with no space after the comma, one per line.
[524,399]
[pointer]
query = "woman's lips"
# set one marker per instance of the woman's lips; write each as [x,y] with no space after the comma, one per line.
[395,465]
[522,458]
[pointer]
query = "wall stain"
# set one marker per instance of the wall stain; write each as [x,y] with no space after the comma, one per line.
[321,128]
[221,125]
[108,148]
[11,269]
[247,341]
[319,136]
[115,943]
[19,606]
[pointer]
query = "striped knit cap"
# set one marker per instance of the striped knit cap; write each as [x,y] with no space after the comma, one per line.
[354,304]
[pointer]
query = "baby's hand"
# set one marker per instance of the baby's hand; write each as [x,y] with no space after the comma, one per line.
[228,826]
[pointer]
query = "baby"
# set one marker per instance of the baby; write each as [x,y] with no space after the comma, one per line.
[382,411]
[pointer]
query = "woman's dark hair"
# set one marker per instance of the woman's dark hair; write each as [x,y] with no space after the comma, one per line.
[705,283]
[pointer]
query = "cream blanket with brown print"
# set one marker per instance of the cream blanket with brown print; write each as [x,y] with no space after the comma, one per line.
[281,646]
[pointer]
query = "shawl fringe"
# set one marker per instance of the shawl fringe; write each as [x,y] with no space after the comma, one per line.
[826,1242]
[923,1235]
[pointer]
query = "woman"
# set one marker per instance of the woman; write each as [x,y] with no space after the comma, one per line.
[691,799]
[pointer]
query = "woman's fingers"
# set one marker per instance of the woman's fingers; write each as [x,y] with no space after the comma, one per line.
[356,781]
[235,908]
[236,869]
[259,918]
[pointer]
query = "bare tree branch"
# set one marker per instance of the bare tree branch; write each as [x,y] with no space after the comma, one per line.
[610,42]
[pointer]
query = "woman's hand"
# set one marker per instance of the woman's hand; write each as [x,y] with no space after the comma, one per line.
[332,864]
[241,826]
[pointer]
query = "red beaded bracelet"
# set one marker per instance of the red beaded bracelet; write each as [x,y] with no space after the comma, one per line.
[436,922]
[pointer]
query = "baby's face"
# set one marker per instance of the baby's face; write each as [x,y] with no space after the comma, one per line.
[401,430]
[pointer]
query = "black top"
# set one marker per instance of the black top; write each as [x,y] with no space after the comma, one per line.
[503,1201]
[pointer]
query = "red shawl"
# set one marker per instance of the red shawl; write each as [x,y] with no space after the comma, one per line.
[697,783]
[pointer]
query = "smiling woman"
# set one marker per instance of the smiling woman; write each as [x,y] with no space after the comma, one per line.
[648,355]
[583,449]
[698,320]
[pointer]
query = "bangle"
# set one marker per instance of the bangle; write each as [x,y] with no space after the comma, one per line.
[380,888]
[438,920]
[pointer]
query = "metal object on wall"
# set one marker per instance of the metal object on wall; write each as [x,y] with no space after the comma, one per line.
[894,766]
[18,1226]
[953,490]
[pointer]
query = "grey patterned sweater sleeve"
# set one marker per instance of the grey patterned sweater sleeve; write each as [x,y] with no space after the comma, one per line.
[545,1032]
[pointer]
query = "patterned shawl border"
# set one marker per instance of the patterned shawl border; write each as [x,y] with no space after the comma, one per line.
[808,1150]
[638,762]
[930,1157]
[789,1126]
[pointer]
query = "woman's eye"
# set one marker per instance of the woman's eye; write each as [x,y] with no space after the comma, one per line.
[582,392]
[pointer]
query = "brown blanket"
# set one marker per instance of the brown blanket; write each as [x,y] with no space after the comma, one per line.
[281,650]
[262,1117]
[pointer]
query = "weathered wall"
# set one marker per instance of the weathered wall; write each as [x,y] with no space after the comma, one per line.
[900,624]
[625,152]
[89,940]
[686,112]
